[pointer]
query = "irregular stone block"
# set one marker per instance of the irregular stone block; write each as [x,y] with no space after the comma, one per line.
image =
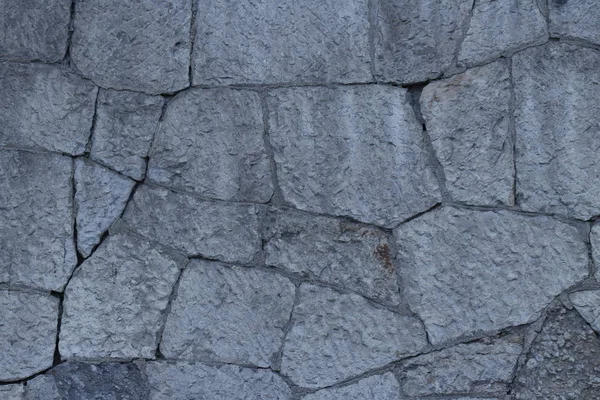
[115,302]
[42,387]
[416,40]
[28,324]
[36,219]
[137,45]
[380,387]
[187,380]
[337,336]
[125,125]
[467,271]
[218,230]
[587,304]
[12,392]
[228,314]
[350,255]
[211,142]
[34,30]
[474,147]
[45,107]
[356,151]
[502,27]
[277,41]
[575,20]
[557,102]
[100,197]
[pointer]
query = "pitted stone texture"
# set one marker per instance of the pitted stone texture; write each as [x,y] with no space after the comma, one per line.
[380,387]
[34,29]
[12,392]
[228,314]
[100,198]
[350,255]
[115,302]
[415,40]
[42,387]
[355,151]
[278,41]
[217,230]
[337,336]
[139,45]
[482,367]
[28,323]
[211,142]
[557,103]
[564,361]
[125,125]
[595,244]
[575,20]
[187,380]
[587,304]
[467,118]
[467,271]
[45,107]
[36,219]
[502,27]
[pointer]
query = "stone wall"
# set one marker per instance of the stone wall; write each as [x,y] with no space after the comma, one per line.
[299,199]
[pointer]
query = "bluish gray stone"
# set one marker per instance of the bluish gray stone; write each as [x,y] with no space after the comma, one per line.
[587,303]
[576,20]
[380,387]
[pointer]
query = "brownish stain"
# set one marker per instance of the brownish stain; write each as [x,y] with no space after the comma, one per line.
[382,253]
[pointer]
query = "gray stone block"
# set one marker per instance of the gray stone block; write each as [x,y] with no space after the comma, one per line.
[575,20]
[587,304]
[12,392]
[380,387]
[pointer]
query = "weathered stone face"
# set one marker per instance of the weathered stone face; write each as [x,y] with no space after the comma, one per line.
[576,20]
[587,304]
[381,387]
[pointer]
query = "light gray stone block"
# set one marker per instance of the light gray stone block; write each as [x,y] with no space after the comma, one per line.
[575,20]
[587,304]
[380,387]
[12,392]
[595,244]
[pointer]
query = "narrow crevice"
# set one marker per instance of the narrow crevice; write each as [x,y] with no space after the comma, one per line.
[373,10]
[71,28]
[512,127]
[277,197]
[194,10]
[61,299]
[88,146]
[276,362]
[455,66]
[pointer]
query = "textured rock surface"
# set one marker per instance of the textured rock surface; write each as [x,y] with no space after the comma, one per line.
[138,45]
[575,20]
[587,304]
[474,148]
[595,244]
[125,125]
[36,222]
[380,387]
[278,41]
[28,323]
[228,314]
[211,142]
[227,232]
[115,302]
[469,271]
[353,151]
[100,198]
[13,392]
[557,104]
[336,336]
[45,107]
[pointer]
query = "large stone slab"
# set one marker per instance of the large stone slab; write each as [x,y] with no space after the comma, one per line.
[228,314]
[557,104]
[125,125]
[115,303]
[211,142]
[587,304]
[216,230]
[416,40]
[36,219]
[337,336]
[466,272]
[28,324]
[380,387]
[45,107]
[137,45]
[356,151]
[187,380]
[278,41]
[474,147]
[575,20]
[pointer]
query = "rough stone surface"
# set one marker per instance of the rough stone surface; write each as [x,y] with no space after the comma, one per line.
[469,271]
[28,324]
[187,380]
[36,221]
[12,392]
[211,142]
[557,104]
[575,20]
[587,304]
[354,151]
[595,244]
[474,148]
[502,27]
[563,363]
[115,302]
[353,256]
[416,40]
[125,125]
[228,314]
[45,107]
[100,198]
[380,387]
[224,231]
[277,41]
[337,336]
[137,45]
